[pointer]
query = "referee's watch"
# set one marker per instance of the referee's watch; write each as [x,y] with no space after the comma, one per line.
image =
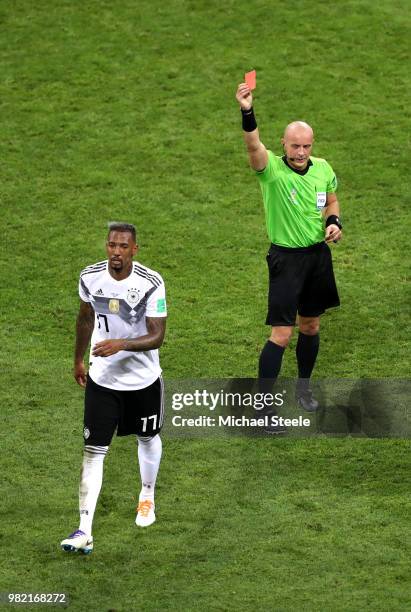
[333,220]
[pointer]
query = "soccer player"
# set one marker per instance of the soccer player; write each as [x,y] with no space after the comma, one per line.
[123,312]
[302,216]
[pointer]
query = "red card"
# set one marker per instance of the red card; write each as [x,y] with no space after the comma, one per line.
[250,79]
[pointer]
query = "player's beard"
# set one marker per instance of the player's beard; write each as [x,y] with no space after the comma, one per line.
[116,265]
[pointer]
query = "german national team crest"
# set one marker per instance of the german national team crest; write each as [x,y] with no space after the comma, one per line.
[114,306]
[133,296]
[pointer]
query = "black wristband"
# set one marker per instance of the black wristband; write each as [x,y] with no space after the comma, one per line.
[249,122]
[333,220]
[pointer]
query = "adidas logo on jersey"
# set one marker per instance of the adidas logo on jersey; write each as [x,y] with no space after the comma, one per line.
[99,292]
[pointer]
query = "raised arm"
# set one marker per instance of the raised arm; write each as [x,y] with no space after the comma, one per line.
[257,153]
[84,329]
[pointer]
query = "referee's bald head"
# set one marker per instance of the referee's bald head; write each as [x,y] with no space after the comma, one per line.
[297,144]
[300,128]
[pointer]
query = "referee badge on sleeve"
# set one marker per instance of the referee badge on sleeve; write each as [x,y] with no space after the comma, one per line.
[321,199]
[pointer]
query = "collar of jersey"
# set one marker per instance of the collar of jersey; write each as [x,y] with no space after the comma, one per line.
[301,172]
[123,279]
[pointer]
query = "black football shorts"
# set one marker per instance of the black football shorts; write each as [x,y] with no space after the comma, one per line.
[301,280]
[138,412]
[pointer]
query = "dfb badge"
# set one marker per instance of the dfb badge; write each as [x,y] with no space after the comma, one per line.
[133,296]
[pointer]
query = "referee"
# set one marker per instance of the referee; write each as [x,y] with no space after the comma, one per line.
[302,216]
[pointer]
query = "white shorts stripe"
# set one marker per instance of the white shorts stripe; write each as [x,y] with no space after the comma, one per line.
[161,419]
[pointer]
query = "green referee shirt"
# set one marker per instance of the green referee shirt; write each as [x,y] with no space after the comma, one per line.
[293,201]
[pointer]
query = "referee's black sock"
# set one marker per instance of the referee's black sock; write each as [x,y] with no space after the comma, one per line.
[269,365]
[306,351]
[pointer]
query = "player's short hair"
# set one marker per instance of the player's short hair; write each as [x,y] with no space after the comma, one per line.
[117,226]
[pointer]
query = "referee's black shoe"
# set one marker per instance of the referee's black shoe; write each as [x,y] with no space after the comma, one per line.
[306,400]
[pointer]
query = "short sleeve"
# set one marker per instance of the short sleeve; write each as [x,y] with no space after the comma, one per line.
[268,174]
[332,182]
[156,304]
[83,292]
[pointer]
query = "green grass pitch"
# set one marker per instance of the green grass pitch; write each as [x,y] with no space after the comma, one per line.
[126,110]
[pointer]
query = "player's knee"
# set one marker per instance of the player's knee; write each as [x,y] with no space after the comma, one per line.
[310,327]
[281,335]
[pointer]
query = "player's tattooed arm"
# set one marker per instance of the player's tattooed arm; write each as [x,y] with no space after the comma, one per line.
[156,328]
[84,329]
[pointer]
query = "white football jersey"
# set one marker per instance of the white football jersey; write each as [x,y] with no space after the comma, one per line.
[121,308]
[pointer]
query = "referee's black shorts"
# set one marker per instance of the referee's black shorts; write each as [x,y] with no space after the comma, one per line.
[301,280]
[138,412]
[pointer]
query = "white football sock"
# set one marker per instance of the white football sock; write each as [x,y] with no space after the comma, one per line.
[149,457]
[91,479]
